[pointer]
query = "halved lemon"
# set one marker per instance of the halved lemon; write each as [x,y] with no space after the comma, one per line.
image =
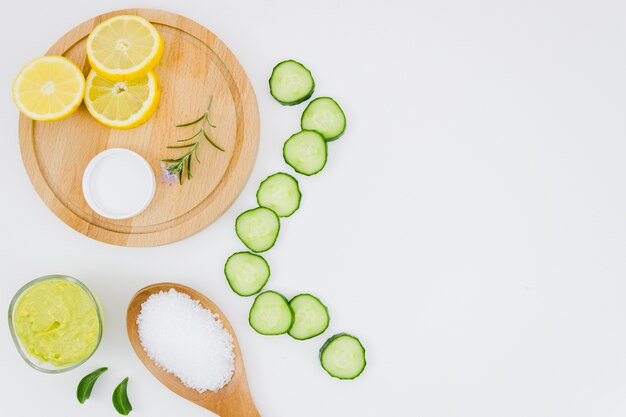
[122,104]
[124,47]
[49,88]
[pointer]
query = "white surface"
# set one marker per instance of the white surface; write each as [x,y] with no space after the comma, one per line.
[118,183]
[470,226]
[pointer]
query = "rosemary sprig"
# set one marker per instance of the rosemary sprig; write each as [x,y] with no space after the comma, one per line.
[177,167]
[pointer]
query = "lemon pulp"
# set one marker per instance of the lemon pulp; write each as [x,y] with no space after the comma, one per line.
[122,104]
[49,88]
[124,47]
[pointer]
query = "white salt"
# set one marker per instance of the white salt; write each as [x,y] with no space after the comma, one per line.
[187,340]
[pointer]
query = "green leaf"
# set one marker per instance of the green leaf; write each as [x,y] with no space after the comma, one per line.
[192,122]
[86,384]
[191,137]
[210,141]
[189,168]
[196,154]
[189,145]
[206,116]
[120,398]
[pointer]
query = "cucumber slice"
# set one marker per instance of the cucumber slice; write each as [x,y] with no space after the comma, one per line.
[258,228]
[270,314]
[306,152]
[291,83]
[311,317]
[280,193]
[325,116]
[246,273]
[343,356]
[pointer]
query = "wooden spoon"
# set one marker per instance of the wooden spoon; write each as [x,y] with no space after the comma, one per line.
[234,399]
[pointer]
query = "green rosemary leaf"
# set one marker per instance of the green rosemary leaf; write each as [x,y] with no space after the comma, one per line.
[210,141]
[206,116]
[86,384]
[120,398]
[191,137]
[182,146]
[193,122]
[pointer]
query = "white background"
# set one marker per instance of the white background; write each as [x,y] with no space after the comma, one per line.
[470,226]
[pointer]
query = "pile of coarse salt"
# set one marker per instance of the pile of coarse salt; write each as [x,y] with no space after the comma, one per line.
[187,340]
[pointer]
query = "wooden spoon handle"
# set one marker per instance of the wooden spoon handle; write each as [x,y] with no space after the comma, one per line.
[237,410]
[249,412]
[237,404]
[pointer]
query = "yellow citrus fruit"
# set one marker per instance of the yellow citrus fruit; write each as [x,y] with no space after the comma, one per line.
[49,88]
[124,47]
[122,104]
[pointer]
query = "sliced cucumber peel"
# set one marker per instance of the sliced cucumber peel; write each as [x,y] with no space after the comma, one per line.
[246,273]
[311,317]
[325,116]
[306,152]
[291,83]
[271,314]
[280,193]
[343,356]
[258,228]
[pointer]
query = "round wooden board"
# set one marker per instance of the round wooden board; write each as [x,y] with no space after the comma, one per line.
[196,69]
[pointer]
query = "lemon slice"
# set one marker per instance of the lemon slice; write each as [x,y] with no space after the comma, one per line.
[122,104]
[49,88]
[124,47]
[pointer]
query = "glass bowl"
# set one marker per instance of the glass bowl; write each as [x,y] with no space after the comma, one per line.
[37,363]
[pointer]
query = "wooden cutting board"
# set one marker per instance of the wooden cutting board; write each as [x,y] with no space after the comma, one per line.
[197,69]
